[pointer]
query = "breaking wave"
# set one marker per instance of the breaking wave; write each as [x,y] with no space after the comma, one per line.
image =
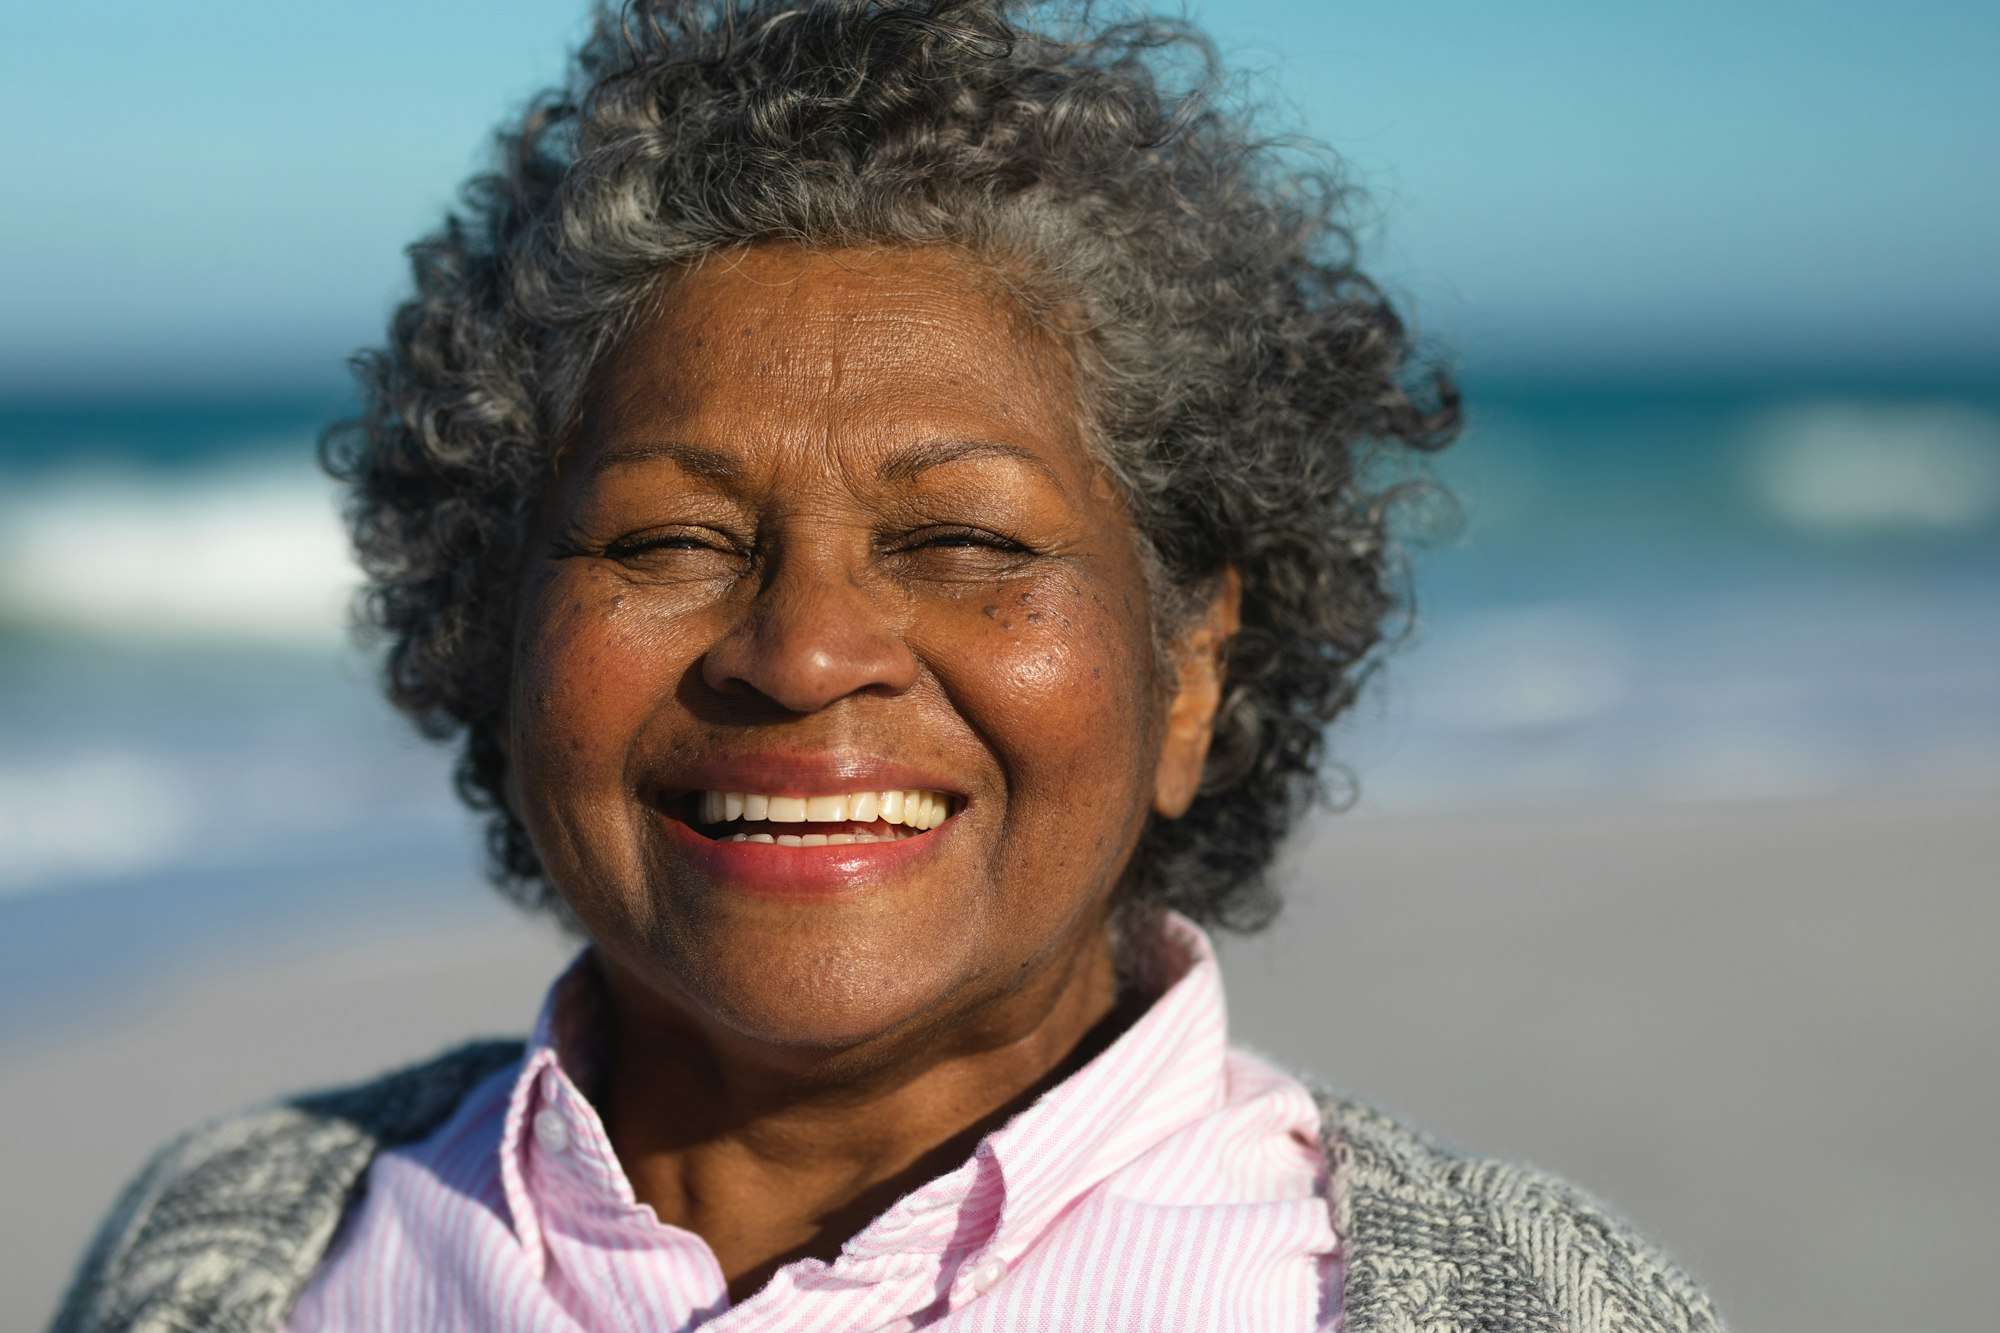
[248,551]
[1841,468]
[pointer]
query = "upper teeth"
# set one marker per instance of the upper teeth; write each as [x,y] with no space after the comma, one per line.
[916,809]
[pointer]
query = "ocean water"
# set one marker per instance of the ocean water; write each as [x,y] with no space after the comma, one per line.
[1649,593]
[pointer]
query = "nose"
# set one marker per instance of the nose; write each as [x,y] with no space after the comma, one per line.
[815,634]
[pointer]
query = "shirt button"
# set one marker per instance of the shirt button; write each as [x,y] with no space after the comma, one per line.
[986,1276]
[550,1131]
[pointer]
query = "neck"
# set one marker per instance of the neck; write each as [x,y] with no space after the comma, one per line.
[772,1156]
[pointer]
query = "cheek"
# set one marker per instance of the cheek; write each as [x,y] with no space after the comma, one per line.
[585,679]
[1058,677]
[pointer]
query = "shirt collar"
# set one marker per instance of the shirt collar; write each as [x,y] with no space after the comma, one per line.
[563,1057]
[1167,1070]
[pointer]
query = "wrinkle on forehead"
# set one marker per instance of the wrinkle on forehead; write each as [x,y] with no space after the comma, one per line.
[786,336]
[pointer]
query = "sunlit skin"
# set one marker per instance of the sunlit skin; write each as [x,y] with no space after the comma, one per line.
[827,510]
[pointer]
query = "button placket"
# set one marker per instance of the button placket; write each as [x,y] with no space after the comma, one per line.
[983,1276]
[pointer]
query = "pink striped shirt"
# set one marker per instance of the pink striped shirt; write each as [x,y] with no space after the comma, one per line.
[1171,1183]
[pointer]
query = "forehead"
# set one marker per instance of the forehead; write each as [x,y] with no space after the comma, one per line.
[840,346]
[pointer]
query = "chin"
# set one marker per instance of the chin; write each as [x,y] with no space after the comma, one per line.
[817,999]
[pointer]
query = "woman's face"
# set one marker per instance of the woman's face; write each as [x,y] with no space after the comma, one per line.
[828,531]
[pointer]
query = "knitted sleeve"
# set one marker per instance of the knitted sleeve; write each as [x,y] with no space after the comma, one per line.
[1438,1241]
[225,1225]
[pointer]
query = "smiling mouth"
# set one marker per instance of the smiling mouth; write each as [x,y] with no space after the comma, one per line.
[818,821]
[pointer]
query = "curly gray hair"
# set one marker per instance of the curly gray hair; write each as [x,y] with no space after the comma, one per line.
[1240,372]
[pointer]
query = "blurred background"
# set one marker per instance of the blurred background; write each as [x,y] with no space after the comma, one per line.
[1681,793]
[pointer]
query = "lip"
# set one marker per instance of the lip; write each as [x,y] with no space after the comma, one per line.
[764,870]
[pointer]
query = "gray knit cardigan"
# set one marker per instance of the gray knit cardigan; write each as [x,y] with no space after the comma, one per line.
[224,1227]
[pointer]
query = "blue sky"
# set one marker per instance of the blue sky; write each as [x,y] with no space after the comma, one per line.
[216,195]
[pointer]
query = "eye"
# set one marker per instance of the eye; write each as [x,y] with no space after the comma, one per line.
[674,554]
[638,544]
[955,538]
[956,553]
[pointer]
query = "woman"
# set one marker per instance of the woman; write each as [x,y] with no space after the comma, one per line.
[881,492]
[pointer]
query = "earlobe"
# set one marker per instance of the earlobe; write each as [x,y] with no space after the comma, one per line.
[1202,655]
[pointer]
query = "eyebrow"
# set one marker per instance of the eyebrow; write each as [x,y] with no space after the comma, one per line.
[903,464]
[911,460]
[696,459]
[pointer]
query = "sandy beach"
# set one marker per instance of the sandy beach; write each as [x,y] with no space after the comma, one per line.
[1768,1032]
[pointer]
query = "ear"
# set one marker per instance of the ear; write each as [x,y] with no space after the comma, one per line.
[1201,653]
